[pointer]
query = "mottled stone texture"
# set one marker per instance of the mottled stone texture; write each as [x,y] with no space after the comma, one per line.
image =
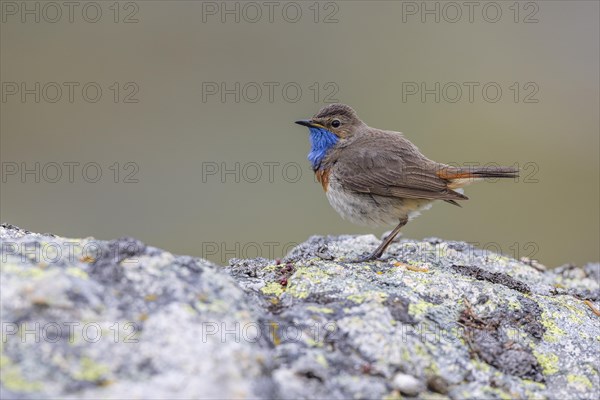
[83,318]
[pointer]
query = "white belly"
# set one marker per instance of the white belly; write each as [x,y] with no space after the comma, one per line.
[373,210]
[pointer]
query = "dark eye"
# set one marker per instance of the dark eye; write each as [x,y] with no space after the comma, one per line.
[336,123]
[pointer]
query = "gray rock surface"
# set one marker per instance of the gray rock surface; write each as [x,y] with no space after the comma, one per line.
[83,318]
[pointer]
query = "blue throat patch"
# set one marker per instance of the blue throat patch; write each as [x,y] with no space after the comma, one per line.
[321,140]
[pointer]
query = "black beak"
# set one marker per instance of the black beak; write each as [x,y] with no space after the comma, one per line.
[304,122]
[308,123]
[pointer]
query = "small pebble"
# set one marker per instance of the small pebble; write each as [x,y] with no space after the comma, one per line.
[437,384]
[407,384]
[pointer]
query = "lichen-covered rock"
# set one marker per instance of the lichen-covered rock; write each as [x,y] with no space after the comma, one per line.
[434,319]
[118,319]
[467,323]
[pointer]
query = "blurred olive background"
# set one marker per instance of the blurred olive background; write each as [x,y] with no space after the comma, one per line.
[173,134]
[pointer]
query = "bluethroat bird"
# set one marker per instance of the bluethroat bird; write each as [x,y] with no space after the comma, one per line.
[376,177]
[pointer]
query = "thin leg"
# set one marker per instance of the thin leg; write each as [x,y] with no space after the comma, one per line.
[384,245]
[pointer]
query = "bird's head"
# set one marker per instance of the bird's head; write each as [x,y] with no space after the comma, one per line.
[339,119]
[331,124]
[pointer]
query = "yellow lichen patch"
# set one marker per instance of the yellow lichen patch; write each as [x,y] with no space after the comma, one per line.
[311,273]
[575,306]
[12,378]
[311,342]
[419,308]
[150,297]
[420,350]
[322,310]
[480,365]
[23,272]
[405,355]
[553,332]
[77,272]
[575,319]
[273,330]
[580,382]
[501,393]
[420,282]
[549,362]
[91,371]
[533,383]
[592,371]
[274,301]
[216,306]
[372,295]
[300,283]
[272,288]
[322,360]
[272,268]
[187,307]
[432,369]
[514,304]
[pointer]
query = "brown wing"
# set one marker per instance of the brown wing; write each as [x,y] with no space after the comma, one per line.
[386,164]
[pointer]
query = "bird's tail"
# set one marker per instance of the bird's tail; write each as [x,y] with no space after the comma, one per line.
[462,176]
[451,173]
